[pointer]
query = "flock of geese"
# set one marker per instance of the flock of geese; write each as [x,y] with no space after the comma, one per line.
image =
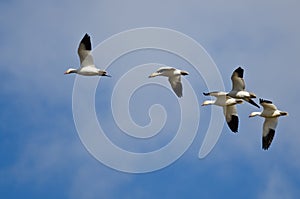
[237,95]
[228,101]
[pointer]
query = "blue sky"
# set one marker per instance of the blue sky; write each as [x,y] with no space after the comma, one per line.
[41,153]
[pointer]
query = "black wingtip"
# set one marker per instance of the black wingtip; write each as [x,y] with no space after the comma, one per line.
[206,94]
[184,73]
[240,72]
[253,103]
[265,101]
[267,140]
[178,93]
[86,40]
[234,123]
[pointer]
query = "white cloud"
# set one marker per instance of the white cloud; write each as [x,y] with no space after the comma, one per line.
[94,181]
[277,186]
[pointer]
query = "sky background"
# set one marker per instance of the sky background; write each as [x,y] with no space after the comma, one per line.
[40,150]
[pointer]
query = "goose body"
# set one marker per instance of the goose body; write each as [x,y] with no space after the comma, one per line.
[229,108]
[87,66]
[174,77]
[271,114]
[238,87]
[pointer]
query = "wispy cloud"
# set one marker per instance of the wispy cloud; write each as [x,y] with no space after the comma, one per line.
[277,185]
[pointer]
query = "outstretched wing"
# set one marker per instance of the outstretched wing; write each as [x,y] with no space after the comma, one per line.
[267,104]
[231,117]
[175,82]
[215,94]
[238,83]
[84,52]
[165,68]
[268,132]
[251,102]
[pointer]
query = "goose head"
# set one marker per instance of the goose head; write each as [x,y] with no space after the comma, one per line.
[207,102]
[70,70]
[253,114]
[154,74]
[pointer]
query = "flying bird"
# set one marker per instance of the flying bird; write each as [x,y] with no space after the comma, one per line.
[87,66]
[271,114]
[238,87]
[229,108]
[174,76]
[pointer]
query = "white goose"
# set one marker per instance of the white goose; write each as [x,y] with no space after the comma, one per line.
[174,76]
[238,87]
[229,108]
[87,66]
[271,114]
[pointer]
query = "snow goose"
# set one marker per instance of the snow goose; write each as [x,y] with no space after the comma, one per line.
[271,114]
[229,108]
[238,87]
[87,66]
[174,76]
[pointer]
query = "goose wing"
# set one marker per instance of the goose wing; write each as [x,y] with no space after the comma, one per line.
[269,127]
[268,105]
[175,82]
[251,102]
[238,83]
[165,69]
[215,94]
[84,52]
[231,117]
